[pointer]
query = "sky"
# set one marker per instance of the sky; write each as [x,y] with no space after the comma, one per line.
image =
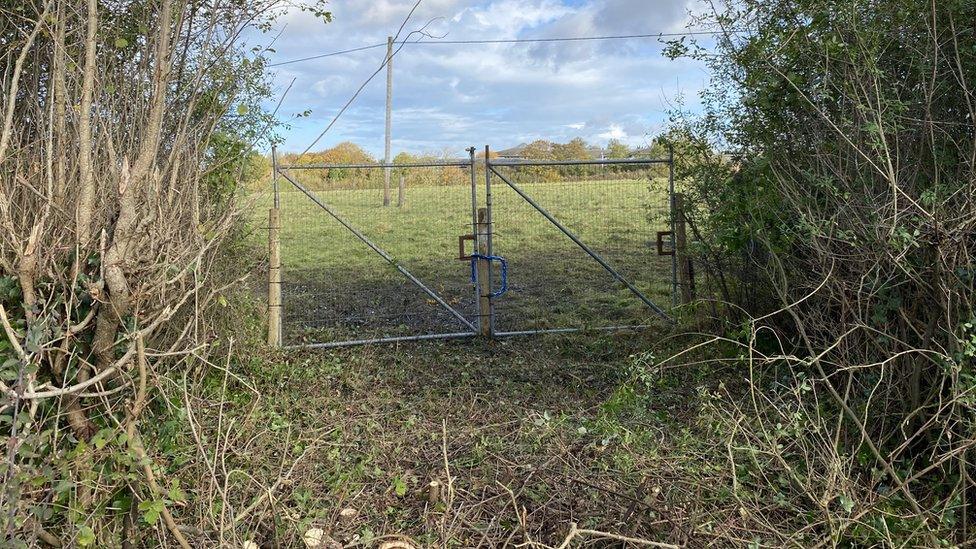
[447,97]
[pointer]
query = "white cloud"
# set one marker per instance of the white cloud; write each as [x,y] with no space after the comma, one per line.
[328,85]
[455,96]
[509,17]
[615,131]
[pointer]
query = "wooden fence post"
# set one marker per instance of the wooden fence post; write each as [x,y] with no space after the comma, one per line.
[402,196]
[484,282]
[686,280]
[274,277]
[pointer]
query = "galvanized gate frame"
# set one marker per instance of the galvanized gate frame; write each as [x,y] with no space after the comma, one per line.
[490,170]
[472,328]
[481,234]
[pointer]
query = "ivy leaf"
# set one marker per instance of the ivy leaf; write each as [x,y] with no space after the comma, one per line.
[121,43]
[242,110]
[9,372]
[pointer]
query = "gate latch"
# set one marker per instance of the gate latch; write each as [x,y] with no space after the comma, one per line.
[474,257]
[504,271]
[461,240]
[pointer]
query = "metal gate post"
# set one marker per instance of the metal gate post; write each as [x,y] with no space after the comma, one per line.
[490,229]
[686,282]
[476,231]
[483,264]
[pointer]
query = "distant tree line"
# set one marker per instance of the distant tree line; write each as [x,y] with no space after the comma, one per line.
[579,149]
[575,149]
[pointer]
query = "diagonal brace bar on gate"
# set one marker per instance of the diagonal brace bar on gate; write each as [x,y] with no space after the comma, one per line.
[379,251]
[545,213]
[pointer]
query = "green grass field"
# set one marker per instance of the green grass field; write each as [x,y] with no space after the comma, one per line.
[335,287]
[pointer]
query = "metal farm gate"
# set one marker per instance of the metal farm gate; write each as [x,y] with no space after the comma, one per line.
[482,246]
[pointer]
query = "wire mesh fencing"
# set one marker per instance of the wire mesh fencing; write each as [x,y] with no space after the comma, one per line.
[353,247]
[615,210]
[375,252]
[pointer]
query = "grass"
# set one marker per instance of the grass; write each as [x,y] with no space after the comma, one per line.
[334,286]
[532,434]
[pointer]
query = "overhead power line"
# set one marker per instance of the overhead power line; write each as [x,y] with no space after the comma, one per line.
[501,41]
[387,59]
[330,54]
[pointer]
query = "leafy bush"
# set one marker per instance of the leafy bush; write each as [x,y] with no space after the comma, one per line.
[847,190]
[127,139]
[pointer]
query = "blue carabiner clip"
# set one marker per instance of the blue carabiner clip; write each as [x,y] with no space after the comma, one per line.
[504,265]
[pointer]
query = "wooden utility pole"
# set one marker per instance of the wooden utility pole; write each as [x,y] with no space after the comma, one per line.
[274,260]
[484,277]
[389,119]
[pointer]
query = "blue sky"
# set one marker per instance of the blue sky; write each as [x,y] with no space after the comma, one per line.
[449,97]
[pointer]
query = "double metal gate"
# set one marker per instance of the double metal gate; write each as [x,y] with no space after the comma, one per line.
[488,246]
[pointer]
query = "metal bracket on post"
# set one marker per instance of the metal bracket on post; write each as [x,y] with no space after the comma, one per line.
[461,255]
[660,243]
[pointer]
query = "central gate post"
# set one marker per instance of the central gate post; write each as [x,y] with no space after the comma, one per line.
[489,229]
[484,275]
[274,259]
